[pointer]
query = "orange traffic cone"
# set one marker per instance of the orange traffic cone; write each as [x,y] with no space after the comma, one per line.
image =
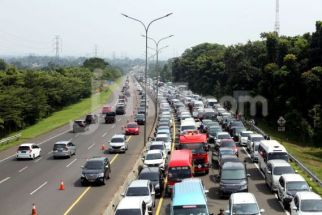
[103,147]
[34,210]
[61,186]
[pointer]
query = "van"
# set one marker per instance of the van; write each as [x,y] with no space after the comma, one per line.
[270,150]
[243,203]
[188,124]
[189,197]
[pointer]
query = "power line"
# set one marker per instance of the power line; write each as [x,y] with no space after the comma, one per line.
[277,18]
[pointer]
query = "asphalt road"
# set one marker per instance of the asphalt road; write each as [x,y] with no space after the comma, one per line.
[256,185]
[25,182]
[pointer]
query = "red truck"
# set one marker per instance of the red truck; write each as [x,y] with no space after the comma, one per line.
[197,143]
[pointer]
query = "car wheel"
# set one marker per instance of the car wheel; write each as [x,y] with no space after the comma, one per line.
[33,156]
[108,176]
[286,205]
[104,181]
[70,154]
[278,195]
[83,183]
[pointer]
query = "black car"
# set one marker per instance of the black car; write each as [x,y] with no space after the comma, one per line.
[96,170]
[91,119]
[110,117]
[155,175]
[120,110]
[233,178]
[141,110]
[140,119]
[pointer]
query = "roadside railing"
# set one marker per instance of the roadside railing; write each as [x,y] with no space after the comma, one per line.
[292,158]
[10,139]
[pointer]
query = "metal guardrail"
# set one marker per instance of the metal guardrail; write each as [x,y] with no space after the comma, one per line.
[292,158]
[9,139]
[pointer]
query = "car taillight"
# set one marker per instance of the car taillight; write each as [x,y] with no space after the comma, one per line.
[30,150]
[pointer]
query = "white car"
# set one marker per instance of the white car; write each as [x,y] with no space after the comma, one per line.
[220,136]
[154,158]
[131,205]
[28,150]
[243,203]
[306,203]
[166,139]
[118,143]
[143,189]
[158,145]
[253,138]
[243,137]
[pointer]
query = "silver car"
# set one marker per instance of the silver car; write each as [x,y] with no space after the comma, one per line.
[64,149]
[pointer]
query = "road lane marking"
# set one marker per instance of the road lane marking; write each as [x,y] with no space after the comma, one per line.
[49,152]
[77,200]
[39,187]
[3,180]
[91,146]
[22,169]
[38,160]
[113,126]
[71,162]
[119,119]
[104,134]
[70,140]
[77,135]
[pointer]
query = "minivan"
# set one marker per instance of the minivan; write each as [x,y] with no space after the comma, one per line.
[64,149]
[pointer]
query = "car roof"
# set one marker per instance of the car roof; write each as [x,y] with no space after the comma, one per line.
[162,135]
[62,142]
[139,183]
[154,151]
[247,132]
[150,170]
[223,132]
[130,203]
[156,143]
[279,162]
[308,195]
[96,159]
[292,177]
[242,198]
[256,135]
[189,190]
[233,165]
[118,136]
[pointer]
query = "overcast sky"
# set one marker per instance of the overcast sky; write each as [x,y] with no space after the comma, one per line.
[29,26]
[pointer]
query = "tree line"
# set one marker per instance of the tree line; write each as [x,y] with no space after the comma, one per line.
[27,96]
[286,70]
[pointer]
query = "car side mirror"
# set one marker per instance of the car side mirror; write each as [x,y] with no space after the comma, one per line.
[82,167]
[248,175]
[122,194]
[153,192]
[106,166]
[269,172]
[294,208]
[206,191]
[262,210]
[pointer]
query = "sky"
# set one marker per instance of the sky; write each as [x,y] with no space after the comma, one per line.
[30,27]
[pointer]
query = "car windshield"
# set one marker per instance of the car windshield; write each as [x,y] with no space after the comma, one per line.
[257,139]
[241,209]
[180,172]
[132,125]
[227,144]
[311,205]
[137,191]
[233,174]
[141,116]
[243,134]
[22,148]
[117,140]
[164,139]
[278,155]
[188,127]
[279,170]
[153,156]
[110,114]
[227,152]
[237,123]
[195,147]
[59,146]
[224,136]
[190,210]
[152,147]
[297,186]
[128,211]
[152,176]
[94,165]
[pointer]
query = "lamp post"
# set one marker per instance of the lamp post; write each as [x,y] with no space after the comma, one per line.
[146,28]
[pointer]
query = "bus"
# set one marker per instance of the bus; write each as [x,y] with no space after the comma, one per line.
[180,167]
[197,143]
[189,197]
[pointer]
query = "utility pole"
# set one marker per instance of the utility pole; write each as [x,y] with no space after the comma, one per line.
[277,17]
[57,44]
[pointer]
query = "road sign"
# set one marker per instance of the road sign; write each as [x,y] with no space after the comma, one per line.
[281,128]
[281,121]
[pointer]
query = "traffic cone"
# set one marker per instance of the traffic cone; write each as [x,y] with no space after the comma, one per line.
[34,210]
[61,186]
[103,147]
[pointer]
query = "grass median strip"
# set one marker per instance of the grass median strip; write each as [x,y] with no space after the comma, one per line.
[64,116]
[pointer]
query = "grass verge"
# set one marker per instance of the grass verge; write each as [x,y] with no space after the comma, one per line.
[64,116]
[310,156]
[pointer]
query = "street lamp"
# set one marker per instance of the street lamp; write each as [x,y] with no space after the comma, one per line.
[146,28]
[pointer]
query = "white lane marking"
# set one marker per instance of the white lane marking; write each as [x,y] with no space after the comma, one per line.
[91,146]
[113,126]
[70,140]
[119,119]
[3,180]
[49,152]
[22,169]
[38,160]
[71,162]
[104,134]
[77,135]
[286,212]
[39,188]
[37,144]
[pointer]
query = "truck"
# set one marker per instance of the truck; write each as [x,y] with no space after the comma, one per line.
[196,142]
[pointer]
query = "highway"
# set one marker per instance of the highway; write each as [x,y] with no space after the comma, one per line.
[25,182]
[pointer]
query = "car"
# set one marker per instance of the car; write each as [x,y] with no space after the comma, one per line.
[140,119]
[253,138]
[80,126]
[64,149]
[131,205]
[28,151]
[106,109]
[166,139]
[243,203]
[243,137]
[158,145]
[96,170]
[143,189]
[229,143]
[154,158]
[91,119]
[273,171]
[254,152]
[220,136]
[155,175]
[288,186]
[227,158]
[120,109]
[118,143]
[132,128]
[216,157]
[306,203]
[141,110]
[233,178]
[110,117]
[212,132]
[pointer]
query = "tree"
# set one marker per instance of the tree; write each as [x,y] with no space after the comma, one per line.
[95,63]
[3,65]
